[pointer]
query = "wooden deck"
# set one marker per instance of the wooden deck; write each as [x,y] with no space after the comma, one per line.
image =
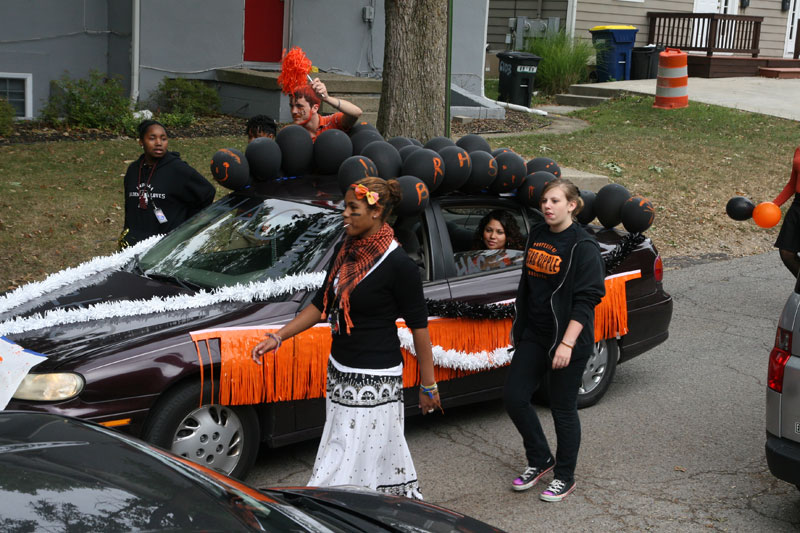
[703,66]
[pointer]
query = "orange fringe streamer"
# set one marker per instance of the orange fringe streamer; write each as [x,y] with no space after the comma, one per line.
[611,314]
[298,370]
[295,67]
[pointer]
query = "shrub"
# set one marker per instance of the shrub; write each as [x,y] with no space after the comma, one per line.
[6,117]
[176,120]
[96,102]
[563,63]
[185,96]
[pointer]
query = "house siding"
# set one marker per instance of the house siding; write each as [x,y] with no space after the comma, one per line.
[592,13]
[501,10]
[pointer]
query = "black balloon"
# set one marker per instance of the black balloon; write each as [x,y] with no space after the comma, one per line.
[510,172]
[637,214]
[474,143]
[457,168]
[353,169]
[426,165]
[405,151]
[230,168]
[586,214]
[543,163]
[415,141]
[415,196]
[363,138]
[297,149]
[498,151]
[740,208]
[399,142]
[608,204]
[483,173]
[386,158]
[331,148]
[530,192]
[361,126]
[437,143]
[264,157]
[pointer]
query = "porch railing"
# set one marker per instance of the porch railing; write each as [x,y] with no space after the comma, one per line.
[706,32]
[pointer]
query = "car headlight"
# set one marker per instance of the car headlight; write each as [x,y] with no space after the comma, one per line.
[49,387]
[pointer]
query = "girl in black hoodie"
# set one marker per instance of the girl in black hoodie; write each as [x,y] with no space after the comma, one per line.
[161,190]
[553,333]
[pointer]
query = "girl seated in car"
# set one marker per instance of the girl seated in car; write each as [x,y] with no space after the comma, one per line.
[498,231]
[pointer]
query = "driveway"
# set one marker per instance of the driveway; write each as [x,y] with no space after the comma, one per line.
[770,96]
[677,444]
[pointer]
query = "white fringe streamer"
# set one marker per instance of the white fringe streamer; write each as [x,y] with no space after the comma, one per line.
[457,360]
[28,292]
[255,291]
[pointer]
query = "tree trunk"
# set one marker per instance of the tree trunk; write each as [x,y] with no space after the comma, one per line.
[414,69]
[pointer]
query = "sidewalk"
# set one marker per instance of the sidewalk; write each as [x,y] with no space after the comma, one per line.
[769,96]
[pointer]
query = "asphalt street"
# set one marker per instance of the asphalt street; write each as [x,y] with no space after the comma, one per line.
[677,444]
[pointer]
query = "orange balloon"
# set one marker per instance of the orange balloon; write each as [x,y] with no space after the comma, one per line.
[766,214]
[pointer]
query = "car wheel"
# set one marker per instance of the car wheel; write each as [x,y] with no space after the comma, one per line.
[599,372]
[221,437]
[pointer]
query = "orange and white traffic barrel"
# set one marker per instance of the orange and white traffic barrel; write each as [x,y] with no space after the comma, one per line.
[672,84]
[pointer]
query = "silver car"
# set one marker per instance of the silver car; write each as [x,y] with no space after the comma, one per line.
[783,395]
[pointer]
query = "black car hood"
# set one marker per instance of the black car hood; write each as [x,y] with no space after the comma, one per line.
[61,342]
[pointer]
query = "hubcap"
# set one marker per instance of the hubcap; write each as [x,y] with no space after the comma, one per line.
[595,368]
[211,436]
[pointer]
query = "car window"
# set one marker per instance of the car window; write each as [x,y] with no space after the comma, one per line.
[411,233]
[247,241]
[470,253]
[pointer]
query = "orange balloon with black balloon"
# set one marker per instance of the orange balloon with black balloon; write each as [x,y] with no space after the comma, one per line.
[766,214]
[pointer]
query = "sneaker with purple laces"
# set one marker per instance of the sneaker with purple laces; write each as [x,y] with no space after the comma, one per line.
[531,476]
[557,490]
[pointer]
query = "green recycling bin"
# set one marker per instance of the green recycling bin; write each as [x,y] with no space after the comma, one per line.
[614,45]
[517,75]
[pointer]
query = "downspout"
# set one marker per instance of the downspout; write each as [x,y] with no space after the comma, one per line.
[135,53]
[572,10]
[448,68]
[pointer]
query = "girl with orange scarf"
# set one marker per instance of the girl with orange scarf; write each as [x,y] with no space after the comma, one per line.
[370,283]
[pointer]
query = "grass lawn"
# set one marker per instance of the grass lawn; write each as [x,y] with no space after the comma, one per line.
[61,202]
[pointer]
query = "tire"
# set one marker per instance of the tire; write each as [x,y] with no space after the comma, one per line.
[221,437]
[599,372]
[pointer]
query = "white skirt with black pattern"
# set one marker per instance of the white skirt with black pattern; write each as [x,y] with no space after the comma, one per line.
[363,441]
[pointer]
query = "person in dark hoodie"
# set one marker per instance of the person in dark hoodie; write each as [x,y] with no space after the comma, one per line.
[553,333]
[161,190]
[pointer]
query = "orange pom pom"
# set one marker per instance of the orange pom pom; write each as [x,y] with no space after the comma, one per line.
[766,214]
[295,67]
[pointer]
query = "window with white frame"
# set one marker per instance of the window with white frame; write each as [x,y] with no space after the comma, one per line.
[17,89]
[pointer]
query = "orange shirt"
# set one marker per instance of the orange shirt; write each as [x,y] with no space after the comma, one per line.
[794,184]
[329,122]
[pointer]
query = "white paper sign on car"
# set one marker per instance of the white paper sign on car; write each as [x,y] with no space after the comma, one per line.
[15,362]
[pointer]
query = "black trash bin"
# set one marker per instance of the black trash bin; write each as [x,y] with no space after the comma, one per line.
[644,62]
[517,75]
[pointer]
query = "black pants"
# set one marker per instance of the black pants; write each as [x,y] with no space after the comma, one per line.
[529,368]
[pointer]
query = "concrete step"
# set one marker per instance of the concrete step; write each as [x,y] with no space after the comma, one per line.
[580,100]
[781,73]
[592,89]
[268,79]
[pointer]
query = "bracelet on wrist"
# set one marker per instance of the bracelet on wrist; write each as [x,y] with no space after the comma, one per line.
[276,338]
[429,390]
[570,346]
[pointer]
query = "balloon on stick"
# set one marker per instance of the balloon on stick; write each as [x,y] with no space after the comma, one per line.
[766,214]
[587,212]
[297,149]
[473,143]
[457,168]
[510,172]
[483,173]
[608,204]
[426,165]
[415,196]
[331,148]
[543,163]
[353,169]
[386,158]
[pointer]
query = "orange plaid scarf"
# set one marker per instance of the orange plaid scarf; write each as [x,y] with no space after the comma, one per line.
[355,258]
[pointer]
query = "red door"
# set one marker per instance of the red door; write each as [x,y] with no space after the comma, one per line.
[263,30]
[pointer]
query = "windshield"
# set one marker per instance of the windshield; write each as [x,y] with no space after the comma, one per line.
[239,240]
